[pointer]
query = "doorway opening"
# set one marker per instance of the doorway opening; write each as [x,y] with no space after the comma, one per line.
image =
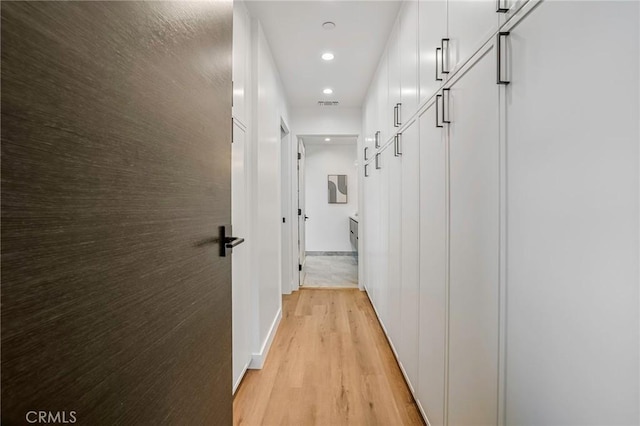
[328,196]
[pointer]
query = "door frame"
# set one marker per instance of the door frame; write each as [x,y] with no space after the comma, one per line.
[287,248]
[300,213]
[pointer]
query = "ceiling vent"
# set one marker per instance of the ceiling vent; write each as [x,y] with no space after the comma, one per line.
[328,103]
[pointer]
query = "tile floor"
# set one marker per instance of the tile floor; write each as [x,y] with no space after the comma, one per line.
[331,271]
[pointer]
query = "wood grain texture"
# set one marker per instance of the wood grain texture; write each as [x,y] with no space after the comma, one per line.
[116,127]
[330,364]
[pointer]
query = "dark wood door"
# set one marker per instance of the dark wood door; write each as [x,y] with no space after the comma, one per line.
[116,132]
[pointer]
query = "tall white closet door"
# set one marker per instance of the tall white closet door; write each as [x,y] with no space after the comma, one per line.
[470,23]
[382,303]
[367,218]
[433,268]
[394,185]
[432,27]
[572,215]
[377,236]
[410,246]
[408,59]
[371,224]
[474,237]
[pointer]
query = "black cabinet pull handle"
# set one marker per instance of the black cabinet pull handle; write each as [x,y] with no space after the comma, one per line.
[366,151]
[437,115]
[366,170]
[377,139]
[499,79]
[395,146]
[378,167]
[395,116]
[442,62]
[399,144]
[438,49]
[499,7]
[399,114]
[445,108]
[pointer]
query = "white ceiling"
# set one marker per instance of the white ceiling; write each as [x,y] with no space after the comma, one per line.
[334,140]
[296,37]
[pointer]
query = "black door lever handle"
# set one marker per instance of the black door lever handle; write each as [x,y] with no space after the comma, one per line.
[227,242]
[233,241]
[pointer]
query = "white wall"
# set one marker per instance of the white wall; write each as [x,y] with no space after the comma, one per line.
[260,98]
[328,224]
[326,121]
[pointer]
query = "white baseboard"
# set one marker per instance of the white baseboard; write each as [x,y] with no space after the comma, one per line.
[257,359]
[244,370]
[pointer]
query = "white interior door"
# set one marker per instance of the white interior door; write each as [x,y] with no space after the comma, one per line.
[241,311]
[301,214]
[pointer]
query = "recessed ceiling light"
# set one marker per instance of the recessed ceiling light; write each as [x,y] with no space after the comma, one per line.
[327,91]
[327,56]
[327,139]
[328,25]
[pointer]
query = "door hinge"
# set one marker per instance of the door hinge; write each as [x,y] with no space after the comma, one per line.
[299,267]
[299,212]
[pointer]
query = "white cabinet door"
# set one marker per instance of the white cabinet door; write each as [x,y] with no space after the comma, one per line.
[470,23]
[410,248]
[372,224]
[373,119]
[432,28]
[363,231]
[433,267]
[382,303]
[394,67]
[383,122]
[408,60]
[370,120]
[394,167]
[389,261]
[572,215]
[474,237]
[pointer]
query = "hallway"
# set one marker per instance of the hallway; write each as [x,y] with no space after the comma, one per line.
[331,271]
[330,364]
[320,213]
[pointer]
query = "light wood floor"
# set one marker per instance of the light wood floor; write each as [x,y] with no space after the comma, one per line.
[330,364]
